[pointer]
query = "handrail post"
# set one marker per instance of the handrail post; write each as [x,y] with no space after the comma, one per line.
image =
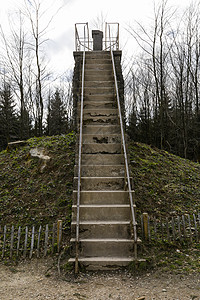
[106,35]
[75,39]
[125,154]
[118,37]
[79,160]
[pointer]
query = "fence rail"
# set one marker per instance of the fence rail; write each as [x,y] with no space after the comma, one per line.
[179,228]
[26,242]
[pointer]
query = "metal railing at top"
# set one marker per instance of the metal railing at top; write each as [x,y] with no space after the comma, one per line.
[111,41]
[83,40]
[82,37]
[80,152]
[127,176]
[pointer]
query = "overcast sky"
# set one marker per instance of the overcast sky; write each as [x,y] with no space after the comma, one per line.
[61,30]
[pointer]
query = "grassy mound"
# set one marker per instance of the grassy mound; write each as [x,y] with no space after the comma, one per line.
[164,184]
[32,192]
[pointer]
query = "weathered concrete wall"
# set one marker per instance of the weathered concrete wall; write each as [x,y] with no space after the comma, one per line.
[78,57]
[76,88]
[120,79]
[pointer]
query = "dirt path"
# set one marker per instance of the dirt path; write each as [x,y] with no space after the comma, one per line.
[34,280]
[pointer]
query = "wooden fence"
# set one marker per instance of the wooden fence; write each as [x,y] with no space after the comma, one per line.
[179,228]
[26,241]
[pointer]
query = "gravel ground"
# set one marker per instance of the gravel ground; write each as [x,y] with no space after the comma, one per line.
[37,280]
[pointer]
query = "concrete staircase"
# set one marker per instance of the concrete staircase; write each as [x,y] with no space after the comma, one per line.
[105,231]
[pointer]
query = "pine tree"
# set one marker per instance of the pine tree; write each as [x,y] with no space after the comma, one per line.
[56,118]
[9,122]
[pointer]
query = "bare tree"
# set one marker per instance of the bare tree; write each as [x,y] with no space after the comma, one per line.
[15,60]
[35,13]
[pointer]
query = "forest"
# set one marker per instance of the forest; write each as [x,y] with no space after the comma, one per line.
[34,100]
[162,82]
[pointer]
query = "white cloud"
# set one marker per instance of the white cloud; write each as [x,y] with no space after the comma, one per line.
[61,30]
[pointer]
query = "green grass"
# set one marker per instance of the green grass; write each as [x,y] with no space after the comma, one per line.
[30,195]
[164,184]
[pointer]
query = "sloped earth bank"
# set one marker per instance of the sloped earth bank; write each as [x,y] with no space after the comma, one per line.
[37,279]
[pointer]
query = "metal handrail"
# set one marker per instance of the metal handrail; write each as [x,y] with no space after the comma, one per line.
[79,158]
[82,42]
[125,155]
[113,41]
[108,41]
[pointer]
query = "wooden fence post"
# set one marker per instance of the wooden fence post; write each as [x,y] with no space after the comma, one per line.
[145,224]
[25,241]
[18,240]
[38,241]
[142,226]
[11,241]
[59,234]
[46,239]
[53,237]
[4,241]
[32,241]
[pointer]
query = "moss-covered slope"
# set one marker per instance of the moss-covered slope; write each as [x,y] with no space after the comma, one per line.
[164,184]
[31,192]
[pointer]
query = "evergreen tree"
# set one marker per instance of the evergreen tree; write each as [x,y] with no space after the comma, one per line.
[9,123]
[56,118]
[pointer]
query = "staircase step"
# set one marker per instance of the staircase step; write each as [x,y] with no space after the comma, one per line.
[100,75]
[102,197]
[98,66]
[97,54]
[102,247]
[104,104]
[101,116]
[101,129]
[98,60]
[98,84]
[111,212]
[102,159]
[100,170]
[114,148]
[100,183]
[99,97]
[101,112]
[91,91]
[101,138]
[106,229]
[105,263]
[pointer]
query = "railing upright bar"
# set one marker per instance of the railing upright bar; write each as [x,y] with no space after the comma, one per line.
[88,36]
[118,38]
[106,25]
[110,37]
[112,40]
[79,162]
[75,39]
[124,149]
